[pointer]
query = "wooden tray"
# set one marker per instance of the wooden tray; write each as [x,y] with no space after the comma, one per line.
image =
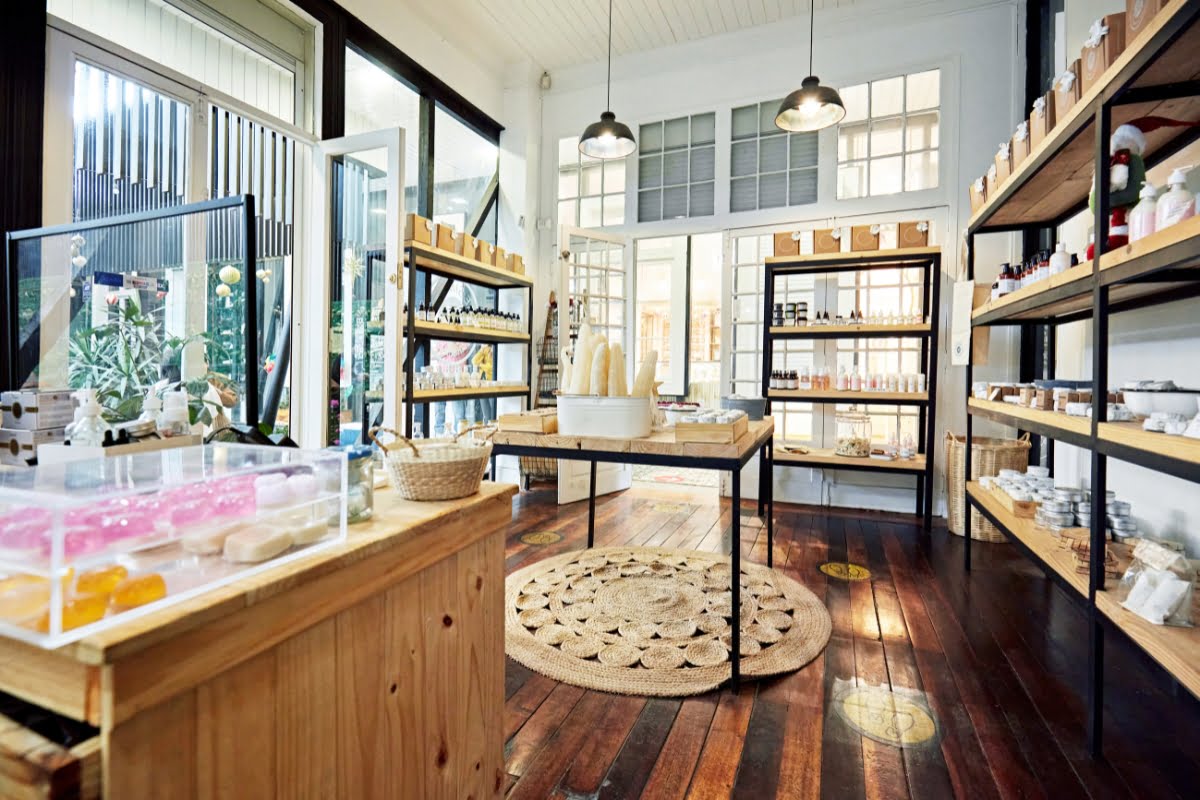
[1018,508]
[712,432]
[541,420]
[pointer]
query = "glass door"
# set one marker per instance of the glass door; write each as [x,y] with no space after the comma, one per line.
[593,285]
[660,293]
[357,304]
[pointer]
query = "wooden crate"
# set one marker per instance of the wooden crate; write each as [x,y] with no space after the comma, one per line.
[1018,508]
[35,767]
[418,229]
[445,238]
[541,420]
[712,433]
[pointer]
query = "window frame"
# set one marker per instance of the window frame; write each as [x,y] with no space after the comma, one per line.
[758,173]
[661,153]
[577,169]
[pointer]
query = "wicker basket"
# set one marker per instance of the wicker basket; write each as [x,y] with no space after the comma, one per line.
[434,470]
[988,457]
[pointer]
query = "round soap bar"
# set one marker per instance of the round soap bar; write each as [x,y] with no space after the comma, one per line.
[81,610]
[209,540]
[101,581]
[302,487]
[139,590]
[22,601]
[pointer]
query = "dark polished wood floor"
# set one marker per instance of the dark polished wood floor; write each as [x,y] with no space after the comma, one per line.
[999,657]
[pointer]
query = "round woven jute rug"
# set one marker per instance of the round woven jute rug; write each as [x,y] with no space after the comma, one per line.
[654,621]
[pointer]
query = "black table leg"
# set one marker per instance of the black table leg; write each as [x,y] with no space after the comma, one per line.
[770,449]
[762,478]
[920,494]
[592,507]
[736,568]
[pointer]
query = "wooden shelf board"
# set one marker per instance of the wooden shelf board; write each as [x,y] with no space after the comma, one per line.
[448,331]
[863,258]
[849,331]
[848,397]
[467,393]
[468,269]
[825,457]
[1176,649]
[1043,545]
[1015,415]
[1131,434]
[1064,180]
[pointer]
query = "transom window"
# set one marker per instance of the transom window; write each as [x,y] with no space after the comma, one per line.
[888,141]
[677,168]
[591,192]
[769,168]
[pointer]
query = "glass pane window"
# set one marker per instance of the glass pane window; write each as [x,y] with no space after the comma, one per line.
[770,168]
[375,100]
[889,139]
[676,165]
[599,185]
[464,165]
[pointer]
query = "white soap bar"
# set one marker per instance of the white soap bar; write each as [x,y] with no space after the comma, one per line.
[256,544]
[209,540]
[309,532]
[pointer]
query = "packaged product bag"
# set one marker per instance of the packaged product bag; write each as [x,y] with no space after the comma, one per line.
[1159,585]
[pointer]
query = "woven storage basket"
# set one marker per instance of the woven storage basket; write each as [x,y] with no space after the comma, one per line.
[988,457]
[539,469]
[434,470]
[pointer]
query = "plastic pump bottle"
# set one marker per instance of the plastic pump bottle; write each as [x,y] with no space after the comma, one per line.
[1060,261]
[1142,219]
[88,430]
[1177,204]
[175,415]
[152,409]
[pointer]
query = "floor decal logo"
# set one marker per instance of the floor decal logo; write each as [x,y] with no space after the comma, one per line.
[541,537]
[887,717]
[844,571]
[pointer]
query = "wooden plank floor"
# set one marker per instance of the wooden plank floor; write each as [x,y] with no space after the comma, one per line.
[998,656]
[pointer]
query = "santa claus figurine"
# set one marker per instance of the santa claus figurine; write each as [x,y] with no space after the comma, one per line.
[1127,174]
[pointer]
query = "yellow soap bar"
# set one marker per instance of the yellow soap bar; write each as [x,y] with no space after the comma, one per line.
[256,544]
[82,610]
[139,590]
[101,581]
[22,601]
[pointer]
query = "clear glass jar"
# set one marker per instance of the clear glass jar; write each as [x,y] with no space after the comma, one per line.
[360,483]
[853,434]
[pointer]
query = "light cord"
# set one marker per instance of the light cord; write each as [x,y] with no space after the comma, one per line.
[608,92]
[812,13]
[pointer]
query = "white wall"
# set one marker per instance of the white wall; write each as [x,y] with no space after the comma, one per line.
[976,44]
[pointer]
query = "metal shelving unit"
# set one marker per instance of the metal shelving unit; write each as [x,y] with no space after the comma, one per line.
[1156,74]
[423,261]
[929,260]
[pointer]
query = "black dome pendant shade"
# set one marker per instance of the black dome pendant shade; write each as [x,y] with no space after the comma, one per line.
[607,138]
[812,106]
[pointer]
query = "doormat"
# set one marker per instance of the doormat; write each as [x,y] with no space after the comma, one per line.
[680,476]
[655,621]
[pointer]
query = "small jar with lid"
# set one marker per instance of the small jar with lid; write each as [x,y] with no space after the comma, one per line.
[853,434]
[360,483]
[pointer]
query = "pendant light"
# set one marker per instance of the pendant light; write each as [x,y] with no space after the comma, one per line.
[607,138]
[812,106]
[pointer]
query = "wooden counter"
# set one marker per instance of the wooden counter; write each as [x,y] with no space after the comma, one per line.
[372,669]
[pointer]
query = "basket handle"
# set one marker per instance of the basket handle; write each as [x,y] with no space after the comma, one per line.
[373,436]
[490,429]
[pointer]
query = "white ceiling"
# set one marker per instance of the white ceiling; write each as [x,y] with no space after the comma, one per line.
[559,33]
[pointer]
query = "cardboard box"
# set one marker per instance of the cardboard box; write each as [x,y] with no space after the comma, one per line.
[1020,144]
[978,190]
[1026,395]
[418,229]
[487,252]
[1138,14]
[1106,41]
[1003,161]
[33,410]
[996,392]
[912,234]
[864,237]
[445,238]
[1067,89]
[827,240]
[467,246]
[1062,398]
[1043,399]
[993,181]
[516,264]
[18,446]
[787,244]
[1042,120]
[500,259]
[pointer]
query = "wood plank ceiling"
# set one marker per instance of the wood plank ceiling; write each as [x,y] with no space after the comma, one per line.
[559,33]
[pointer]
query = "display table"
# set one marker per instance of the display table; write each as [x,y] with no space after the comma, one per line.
[372,669]
[661,450]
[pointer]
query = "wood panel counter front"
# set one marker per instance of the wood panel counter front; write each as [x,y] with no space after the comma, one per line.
[374,669]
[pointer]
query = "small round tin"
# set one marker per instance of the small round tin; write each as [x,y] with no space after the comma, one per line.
[1118,508]
[1058,506]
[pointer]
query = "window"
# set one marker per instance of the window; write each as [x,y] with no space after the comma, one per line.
[464,166]
[888,141]
[677,167]
[591,192]
[376,100]
[769,168]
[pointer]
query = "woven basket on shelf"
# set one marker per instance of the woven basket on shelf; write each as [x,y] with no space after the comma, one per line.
[988,457]
[434,470]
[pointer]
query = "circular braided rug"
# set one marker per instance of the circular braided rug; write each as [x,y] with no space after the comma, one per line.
[654,621]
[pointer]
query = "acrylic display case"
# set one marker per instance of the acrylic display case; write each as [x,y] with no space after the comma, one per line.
[91,544]
[191,296]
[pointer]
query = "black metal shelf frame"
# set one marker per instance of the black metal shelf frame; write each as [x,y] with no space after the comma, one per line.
[420,346]
[1175,263]
[931,283]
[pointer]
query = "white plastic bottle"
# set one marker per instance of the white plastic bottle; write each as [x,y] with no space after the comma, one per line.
[88,430]
[1177,204]
[843,382]
[175,415]
[1060,259]
[152,409]
[1143,217]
